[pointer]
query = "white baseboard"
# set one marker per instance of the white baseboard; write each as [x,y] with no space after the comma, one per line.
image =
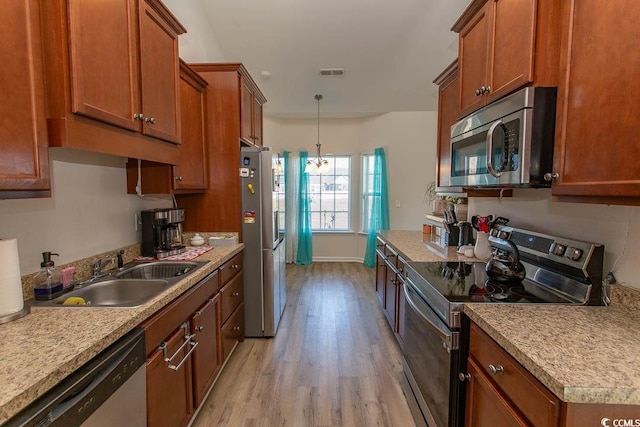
[335,259]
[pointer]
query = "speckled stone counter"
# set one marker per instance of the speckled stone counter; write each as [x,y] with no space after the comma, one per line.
[410,244]
[582,354]
[40,349]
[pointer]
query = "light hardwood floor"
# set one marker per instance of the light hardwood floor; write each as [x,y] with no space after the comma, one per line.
[334,360]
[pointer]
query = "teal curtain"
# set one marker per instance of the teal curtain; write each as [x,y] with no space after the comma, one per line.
[379,215]
[305,250]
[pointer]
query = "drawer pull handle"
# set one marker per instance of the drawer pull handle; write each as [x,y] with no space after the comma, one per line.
[496,370]
[199,328]
[236,329]
[235,294]
[235,266]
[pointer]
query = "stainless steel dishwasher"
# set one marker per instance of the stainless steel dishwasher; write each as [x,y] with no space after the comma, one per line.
[108,391]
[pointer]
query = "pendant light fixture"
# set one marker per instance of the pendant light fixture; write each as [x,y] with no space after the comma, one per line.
[317,164]
[279,169]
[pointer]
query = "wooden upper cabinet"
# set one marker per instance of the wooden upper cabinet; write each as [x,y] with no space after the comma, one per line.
[191,172]
[251,113]
[159,74]
[596,145]
[112,77]
[109,93]
[24,162]
[448,113]
[505,45]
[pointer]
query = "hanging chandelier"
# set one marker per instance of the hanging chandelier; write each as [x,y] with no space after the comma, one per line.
[317,164]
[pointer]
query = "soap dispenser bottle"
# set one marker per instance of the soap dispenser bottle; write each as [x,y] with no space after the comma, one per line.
[48,284]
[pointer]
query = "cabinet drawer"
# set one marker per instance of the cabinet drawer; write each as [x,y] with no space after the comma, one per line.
[230,268]
[231,296]
[391,255]
[232,331]
[530,396]
[204,325]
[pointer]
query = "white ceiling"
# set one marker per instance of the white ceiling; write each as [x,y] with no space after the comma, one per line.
[391,51]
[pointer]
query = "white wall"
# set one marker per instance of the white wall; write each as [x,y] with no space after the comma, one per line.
[409,142]
[613,226]
[89,212]
[199,43]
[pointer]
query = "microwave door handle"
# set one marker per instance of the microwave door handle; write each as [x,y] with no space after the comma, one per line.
[449,340]
[490,132]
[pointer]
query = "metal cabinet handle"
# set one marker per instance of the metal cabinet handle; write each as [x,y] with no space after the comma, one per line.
[551,176]
[150,120]
[188,341]
[179,178]
[464,377]
[235,266]
[199,328]
[487,89]
[138,116]
[496,370]
[478,93]
[235,294]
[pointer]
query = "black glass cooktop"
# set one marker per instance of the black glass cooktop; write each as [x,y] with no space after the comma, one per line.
[468,282]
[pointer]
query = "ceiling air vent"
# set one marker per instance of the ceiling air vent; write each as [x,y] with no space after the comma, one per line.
[332,71]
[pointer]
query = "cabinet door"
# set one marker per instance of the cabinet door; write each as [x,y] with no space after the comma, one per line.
[169,399]
[257,122]
[390,297]
[474,53]
[206,362]
[104,72]
[232,331]
[191,173]
[381,278]
[159,73]
[512,49]
[596,146]
[246,118]
[486,407]
[24,163]
[231,295]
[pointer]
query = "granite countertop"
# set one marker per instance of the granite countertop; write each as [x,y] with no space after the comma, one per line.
[411,245]
[40,349]
[582,354]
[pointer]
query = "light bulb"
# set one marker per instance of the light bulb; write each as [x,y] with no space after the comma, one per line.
[309,167]
[324,167]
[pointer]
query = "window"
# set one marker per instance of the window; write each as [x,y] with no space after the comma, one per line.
[331,196]
[367,190]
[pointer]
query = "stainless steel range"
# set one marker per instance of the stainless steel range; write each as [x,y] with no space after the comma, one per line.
[557,271]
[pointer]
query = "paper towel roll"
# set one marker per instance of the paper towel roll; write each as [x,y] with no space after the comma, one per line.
[11,299]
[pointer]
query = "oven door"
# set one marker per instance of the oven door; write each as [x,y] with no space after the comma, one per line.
[493,154]
[431,363]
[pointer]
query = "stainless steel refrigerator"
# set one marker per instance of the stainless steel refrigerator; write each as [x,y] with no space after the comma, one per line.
[264,258]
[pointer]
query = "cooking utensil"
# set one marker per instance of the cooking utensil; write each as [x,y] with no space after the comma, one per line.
[465,235]
[505,266]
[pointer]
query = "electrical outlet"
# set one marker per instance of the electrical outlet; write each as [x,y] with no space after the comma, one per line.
[136,222]
[397,203]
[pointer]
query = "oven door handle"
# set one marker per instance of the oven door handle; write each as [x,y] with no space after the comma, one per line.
[450,341]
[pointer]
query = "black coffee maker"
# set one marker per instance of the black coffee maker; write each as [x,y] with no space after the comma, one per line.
[162,232]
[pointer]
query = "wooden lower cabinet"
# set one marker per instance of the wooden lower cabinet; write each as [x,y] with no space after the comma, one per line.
[187,344]
[381,277]
[232,331]
[169,399]
[391,296]
[206,358]
[501,392]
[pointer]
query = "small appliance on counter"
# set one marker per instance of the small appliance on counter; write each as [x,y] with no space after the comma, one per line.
[162,232]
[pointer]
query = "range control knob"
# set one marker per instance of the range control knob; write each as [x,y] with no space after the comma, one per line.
[574,254]
[494,232]
[504,235]
[557,249]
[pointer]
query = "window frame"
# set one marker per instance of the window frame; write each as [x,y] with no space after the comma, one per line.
[366,192]
[349,206]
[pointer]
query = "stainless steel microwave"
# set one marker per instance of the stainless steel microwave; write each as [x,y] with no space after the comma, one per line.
[508,143]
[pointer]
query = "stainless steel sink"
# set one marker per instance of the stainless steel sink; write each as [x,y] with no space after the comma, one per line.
[135,285]
[159,270]
[115,293]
